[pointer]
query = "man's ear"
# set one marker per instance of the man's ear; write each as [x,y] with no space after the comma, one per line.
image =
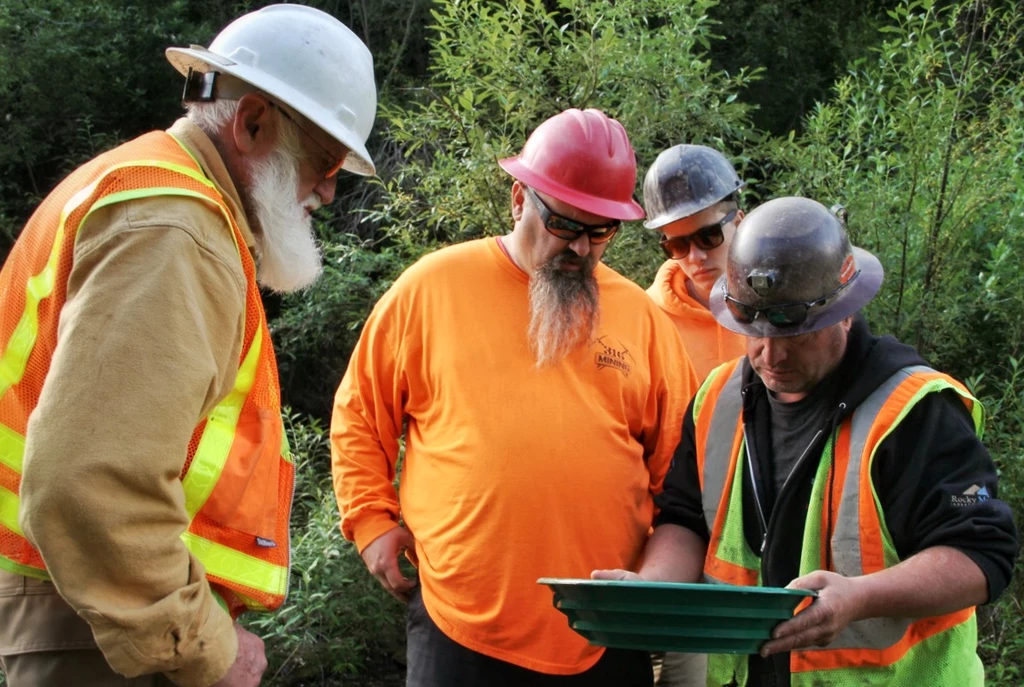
[518,199]
[254,127]
[739,216]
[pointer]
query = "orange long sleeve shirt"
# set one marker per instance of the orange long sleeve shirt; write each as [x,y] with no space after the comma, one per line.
[511,472]
[708,343]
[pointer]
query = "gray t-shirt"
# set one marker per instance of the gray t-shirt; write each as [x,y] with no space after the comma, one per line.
[794,426]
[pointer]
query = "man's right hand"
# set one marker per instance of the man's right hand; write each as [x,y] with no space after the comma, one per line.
[250,661]
[381,558]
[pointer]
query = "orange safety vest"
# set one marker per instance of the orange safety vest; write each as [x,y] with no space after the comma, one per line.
[938,651]
[237,473]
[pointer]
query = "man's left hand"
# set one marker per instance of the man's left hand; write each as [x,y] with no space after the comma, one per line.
[839,603]
[616,574]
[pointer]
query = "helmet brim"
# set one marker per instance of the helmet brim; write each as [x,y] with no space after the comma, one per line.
[358,161]
[847,303]
[596,205]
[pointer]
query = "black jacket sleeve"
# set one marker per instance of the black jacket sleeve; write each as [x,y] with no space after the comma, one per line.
[938,487]
[679,502]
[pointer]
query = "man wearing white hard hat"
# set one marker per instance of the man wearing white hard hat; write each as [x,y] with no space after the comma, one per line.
[145,482]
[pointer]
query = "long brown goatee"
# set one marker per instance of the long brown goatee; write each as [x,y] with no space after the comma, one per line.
[564,307]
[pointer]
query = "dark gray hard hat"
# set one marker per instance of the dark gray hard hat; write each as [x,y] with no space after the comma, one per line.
[684,180]
[787,253]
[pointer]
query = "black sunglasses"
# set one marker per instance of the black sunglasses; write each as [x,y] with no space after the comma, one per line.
[787,315]
[330,165]
[569,229]
[705,238]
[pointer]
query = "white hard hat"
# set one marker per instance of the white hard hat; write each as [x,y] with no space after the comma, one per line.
[307,59]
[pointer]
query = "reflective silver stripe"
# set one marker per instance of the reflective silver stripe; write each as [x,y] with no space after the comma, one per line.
[874,633]
[846,538]
[708,579]
[721,435]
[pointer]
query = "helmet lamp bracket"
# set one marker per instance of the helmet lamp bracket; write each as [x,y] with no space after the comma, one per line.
[761,281]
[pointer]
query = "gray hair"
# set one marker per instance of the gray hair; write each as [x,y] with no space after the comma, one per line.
[212,117]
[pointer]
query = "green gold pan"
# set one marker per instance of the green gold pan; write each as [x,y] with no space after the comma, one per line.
[672,616]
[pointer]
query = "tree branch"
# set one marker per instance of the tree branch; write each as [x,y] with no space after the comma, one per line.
[402,46]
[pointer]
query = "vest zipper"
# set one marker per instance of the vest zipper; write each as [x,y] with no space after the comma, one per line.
[800,460]
[778,497]
[291,507]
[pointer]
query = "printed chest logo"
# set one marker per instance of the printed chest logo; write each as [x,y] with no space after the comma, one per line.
[607,355]
[972,495]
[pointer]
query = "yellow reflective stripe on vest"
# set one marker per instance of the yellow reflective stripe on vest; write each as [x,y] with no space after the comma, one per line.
[163,164]
[252,604]
[811,556]
[702,392]
[236,567]
[123,196]
[39,286]
[219,434]
[184,147]
[12,448]
[20,346]
[23,570]
[173,167]
[9,511]
[733,547]
[286,449]
[938,384]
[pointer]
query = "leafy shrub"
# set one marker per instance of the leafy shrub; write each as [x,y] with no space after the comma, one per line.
[76,78]
[924,144]
[1001,631]
[317,329]
[499,69]
[338,621]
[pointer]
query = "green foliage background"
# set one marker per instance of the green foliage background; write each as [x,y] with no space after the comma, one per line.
[910,113]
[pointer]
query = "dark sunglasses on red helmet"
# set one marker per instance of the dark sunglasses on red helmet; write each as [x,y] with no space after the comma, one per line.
[569,229]
[787,315]
[705,238]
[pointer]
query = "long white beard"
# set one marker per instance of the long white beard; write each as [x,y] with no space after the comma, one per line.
[289,257]
[564,308]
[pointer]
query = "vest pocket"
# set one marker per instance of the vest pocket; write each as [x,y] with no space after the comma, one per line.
[245,497]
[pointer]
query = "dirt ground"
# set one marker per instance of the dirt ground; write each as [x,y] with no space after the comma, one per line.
[387,675]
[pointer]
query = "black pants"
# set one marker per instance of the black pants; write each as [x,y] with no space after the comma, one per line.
[435,660]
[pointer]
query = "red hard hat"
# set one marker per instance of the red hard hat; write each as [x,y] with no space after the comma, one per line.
[582,158]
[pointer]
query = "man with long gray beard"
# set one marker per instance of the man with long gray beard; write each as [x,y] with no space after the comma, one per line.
[145,485]
[542,396]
